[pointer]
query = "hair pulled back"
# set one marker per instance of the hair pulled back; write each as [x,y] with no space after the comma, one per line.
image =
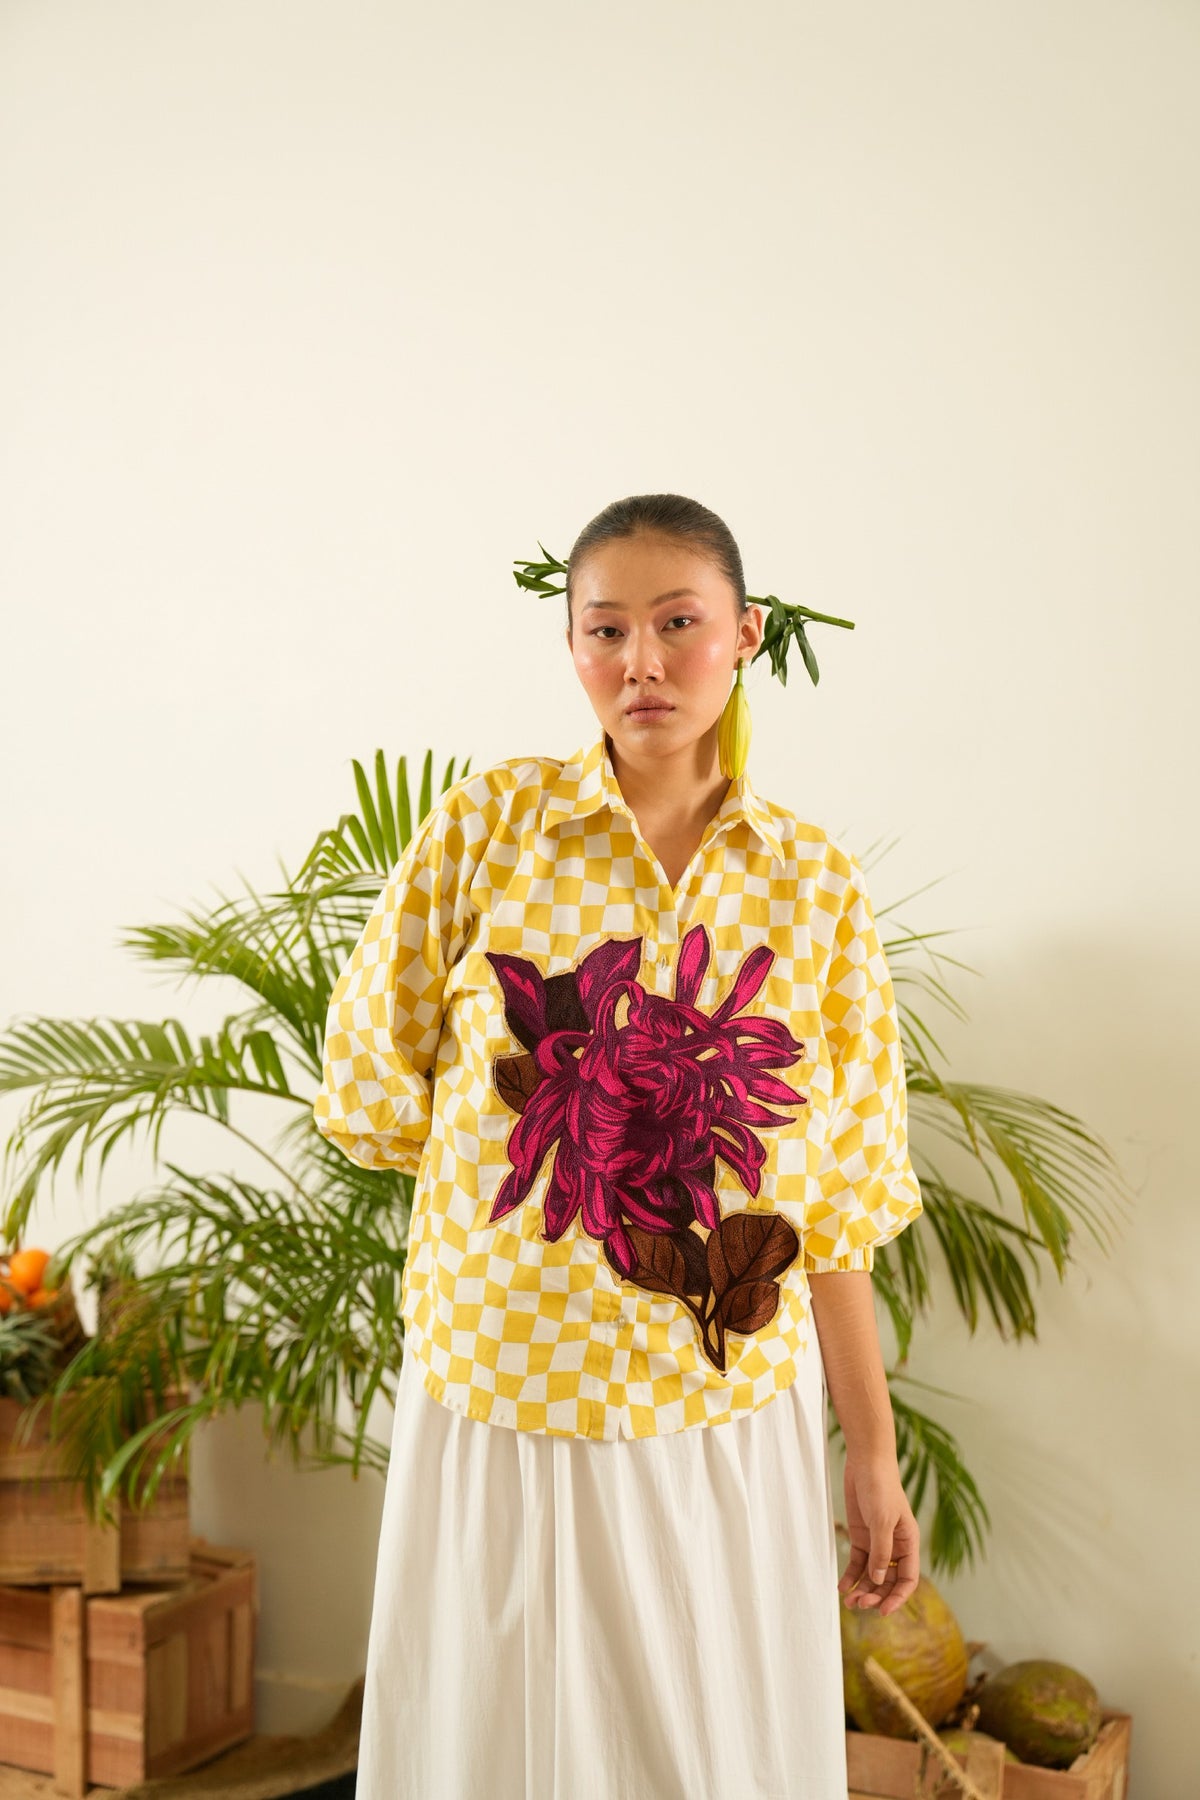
[666,515]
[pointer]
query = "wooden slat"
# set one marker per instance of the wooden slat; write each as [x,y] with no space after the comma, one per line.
[881,1765]
[101,1557]
[109,1723]
[191,1612]
[27,1743]
[166,1696]
[241,1655]
[22,1671]
[19,1703]
[25,1619]
[154,1540]
[208,1671]
[69,1690]
[984,1763]
[1108,1761]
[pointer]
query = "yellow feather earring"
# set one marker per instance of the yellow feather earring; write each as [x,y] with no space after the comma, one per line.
[733,729]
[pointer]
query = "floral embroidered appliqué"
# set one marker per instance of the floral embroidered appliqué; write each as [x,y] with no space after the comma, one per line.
[640,1094]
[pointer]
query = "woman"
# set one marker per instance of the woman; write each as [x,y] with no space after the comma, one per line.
[631,1028]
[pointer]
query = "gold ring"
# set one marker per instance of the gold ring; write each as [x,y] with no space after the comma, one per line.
[891,1565]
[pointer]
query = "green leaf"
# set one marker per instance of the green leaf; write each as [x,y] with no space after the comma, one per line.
[370,817]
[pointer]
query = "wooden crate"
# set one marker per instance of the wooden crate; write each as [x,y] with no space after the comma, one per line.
[1101,1774]
[883,1768]
[906,1769]
[115,1689]
[47,1536]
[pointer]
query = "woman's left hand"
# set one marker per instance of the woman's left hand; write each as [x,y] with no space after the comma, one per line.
[885,1539]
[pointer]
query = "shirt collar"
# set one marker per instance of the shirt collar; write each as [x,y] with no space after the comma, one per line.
[587,782]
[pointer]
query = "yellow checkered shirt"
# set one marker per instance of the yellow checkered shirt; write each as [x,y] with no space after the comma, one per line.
[637,1116]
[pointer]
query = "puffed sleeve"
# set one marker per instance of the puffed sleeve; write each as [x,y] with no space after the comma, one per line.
[865,1190]
[385,1011]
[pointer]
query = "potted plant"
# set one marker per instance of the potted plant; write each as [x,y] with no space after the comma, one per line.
[282,1292]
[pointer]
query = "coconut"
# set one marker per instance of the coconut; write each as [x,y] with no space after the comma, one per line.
[1046,1711]
[921,1647]
[958,1739]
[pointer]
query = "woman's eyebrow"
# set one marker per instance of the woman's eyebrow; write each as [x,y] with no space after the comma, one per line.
[619,605]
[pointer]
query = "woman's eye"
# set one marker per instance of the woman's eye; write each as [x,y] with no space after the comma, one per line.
[686,617]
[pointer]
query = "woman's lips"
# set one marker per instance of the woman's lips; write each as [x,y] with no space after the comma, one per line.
[649,712]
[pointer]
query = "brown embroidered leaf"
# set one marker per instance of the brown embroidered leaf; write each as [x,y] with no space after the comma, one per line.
[661,1265]
[750,1246]
[516,1077]
[746,1254]
[712,1338]
[748,1306]
[691,1246]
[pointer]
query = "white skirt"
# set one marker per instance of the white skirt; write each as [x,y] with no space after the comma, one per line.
[560,1618]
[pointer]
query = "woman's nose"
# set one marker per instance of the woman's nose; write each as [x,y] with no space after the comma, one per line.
[642,659]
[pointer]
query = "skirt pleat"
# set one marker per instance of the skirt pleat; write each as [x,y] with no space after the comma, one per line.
[561,1618]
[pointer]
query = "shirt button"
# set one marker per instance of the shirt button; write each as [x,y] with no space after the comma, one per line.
[664,962]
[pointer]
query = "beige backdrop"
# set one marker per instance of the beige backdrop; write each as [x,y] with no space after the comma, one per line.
[314,318]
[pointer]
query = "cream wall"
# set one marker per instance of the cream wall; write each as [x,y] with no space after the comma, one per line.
[314,318]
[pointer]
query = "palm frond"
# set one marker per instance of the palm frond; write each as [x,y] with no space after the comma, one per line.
[1061,1170]
[256,944]
[982,1253]
[373,838]
[286,946]
[929,1456]
[900,1278]
[255,1297]
[344,1186]
[95,1080]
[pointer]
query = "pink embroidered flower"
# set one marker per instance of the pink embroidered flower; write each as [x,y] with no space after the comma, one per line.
[639,1094]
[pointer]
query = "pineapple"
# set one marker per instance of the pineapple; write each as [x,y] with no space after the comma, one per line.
[30,1354]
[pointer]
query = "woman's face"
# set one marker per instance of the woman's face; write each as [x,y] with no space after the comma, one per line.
[652,620]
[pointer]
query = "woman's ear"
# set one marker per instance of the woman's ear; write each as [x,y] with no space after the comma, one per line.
[751,626]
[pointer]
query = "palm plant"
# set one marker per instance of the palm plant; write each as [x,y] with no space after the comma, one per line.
[283,1292]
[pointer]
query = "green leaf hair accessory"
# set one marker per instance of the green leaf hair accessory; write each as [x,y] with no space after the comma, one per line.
[785,622]
[535,576]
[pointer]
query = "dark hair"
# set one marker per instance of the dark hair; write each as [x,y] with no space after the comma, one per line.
[670,515]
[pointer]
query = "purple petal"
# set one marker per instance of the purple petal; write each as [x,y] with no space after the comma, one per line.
[612,962]
[704,1202]
[600,1214]
[524,996]
[564,1193]
[747,982]
[766,1040]
[693,962]
[744,1154]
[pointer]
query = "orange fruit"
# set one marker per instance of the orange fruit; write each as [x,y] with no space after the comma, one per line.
[26,1268]
[43,1296]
